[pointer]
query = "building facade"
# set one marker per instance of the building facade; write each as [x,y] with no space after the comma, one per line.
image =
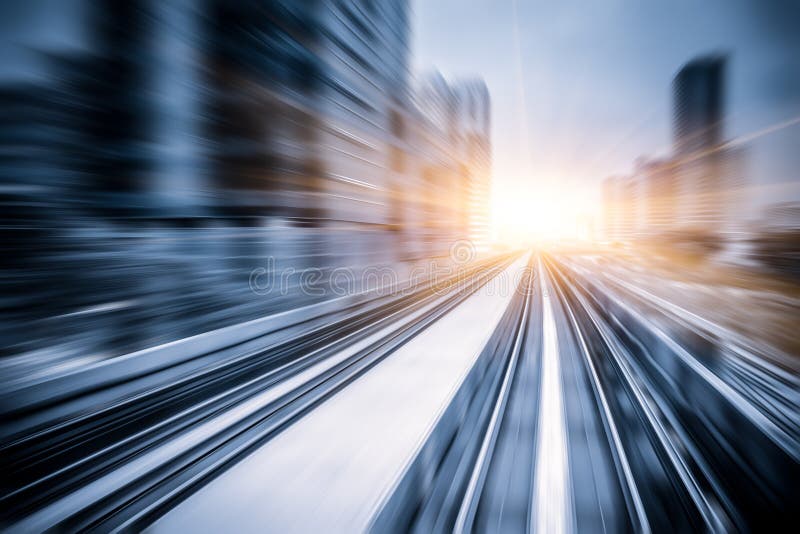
[474,130]
[453,144]
[657,205]
[708,173]
[248,130]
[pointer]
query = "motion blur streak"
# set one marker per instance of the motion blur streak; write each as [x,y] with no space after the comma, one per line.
[552,506]
[178,145]
[263,269]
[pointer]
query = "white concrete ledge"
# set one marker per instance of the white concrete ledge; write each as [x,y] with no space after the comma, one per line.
[335,469]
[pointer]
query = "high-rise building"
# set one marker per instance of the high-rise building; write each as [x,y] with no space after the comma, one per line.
[632,202]
[657,198]
[625,204]
[309,118]
[181,144]
[249,118]
[141,91]
[699,157]
[457,114]
[474,141]
[699,102]
[443,192]
[613,208]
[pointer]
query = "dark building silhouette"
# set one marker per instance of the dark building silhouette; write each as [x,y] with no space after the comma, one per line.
[263,77]
[699,94]
[702,163]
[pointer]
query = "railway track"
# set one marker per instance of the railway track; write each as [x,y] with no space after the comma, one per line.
[582,427]
[701,455]
[579,415]
[122,465]
[766,379]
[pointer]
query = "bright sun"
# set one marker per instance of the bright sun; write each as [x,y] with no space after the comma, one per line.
[534,217]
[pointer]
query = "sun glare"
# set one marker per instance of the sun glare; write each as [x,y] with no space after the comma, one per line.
[536,217]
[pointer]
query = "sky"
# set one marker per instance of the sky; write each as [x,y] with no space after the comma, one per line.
[580,89]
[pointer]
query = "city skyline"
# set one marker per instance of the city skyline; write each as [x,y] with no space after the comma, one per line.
[576,99]
[596,86]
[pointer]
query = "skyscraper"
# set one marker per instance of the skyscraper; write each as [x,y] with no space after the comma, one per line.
[457,115]
[309,119]
[699,104]
[657,201]
[474,123]
[613,209]
[700,159]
